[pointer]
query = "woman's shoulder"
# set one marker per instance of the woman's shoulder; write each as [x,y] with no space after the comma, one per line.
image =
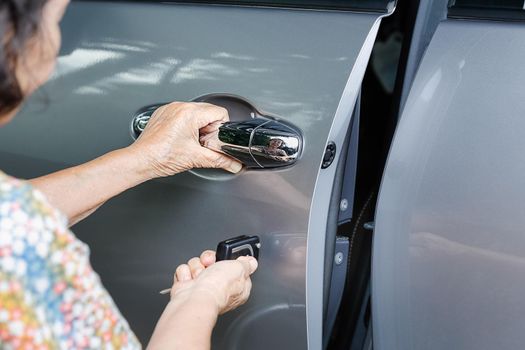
[20,201]
[10,186]
[46,276]
[29,223]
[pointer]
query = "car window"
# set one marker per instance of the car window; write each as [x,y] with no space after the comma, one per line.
[503,10]
[501,4]
[347,5]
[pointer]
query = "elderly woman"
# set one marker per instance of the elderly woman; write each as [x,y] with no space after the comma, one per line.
[49,295]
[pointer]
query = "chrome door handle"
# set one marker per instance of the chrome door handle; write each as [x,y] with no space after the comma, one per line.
[257,143]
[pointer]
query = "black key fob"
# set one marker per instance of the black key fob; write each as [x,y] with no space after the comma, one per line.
[233,248]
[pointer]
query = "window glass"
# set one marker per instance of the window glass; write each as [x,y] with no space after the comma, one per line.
[358,5]
[513,10]
[486,4]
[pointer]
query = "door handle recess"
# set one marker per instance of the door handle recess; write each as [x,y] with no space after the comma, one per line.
[258,143]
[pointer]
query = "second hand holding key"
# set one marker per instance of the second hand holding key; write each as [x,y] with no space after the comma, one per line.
[234,248]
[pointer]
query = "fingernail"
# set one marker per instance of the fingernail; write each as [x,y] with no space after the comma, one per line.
[208,258]
[235,167]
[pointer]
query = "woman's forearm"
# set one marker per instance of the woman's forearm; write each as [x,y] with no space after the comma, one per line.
[169,145]
[186,323]
[80,190]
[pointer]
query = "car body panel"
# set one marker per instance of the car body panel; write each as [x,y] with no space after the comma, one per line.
[119,57]
[449,249]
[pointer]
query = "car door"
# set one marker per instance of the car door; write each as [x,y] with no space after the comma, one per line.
[299,61]
[448,266]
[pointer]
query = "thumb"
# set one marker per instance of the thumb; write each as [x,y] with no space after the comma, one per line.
[249,263]
[218,160]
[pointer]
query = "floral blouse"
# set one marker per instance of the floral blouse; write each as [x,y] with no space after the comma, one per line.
[50,298]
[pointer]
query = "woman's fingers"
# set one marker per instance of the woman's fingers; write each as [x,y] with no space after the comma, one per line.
[196,267]
[212,159]
[249,263]
[208,258]
[211,128]
[211,141]
[228,283]
[183,273]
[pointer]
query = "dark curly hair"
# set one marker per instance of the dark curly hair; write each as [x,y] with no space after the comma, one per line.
[19,22]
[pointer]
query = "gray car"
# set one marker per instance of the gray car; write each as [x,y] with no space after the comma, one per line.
[315,90]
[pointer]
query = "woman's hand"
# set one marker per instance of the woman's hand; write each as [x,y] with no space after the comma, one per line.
[227,282]
[170,142]
[202,290]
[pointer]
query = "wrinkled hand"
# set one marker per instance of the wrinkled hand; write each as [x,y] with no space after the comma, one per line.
[170,142]
[228,282]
